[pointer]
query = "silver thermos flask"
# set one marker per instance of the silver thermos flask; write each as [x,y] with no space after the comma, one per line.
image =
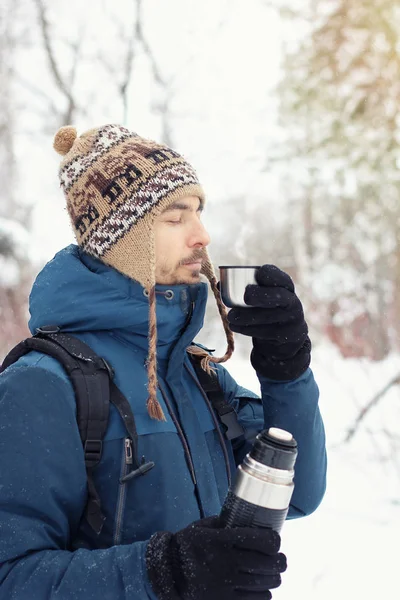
[261,493]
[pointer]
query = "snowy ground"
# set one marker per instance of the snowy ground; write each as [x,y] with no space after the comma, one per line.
[348,549]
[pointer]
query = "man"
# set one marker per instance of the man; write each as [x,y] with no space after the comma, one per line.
[131,290]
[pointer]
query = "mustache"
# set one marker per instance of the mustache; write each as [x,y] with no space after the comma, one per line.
[198,254]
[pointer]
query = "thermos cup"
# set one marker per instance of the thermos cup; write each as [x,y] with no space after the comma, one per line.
[233,281]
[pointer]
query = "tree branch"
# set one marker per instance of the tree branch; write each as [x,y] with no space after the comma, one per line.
[367,408]
[53,63]
[127,75]
[163,106]
[146,47]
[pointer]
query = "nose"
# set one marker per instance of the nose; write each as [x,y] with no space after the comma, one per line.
[199,237]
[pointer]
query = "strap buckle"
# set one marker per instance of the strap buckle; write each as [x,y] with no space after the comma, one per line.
[93,450]
[47,329]
[230,421]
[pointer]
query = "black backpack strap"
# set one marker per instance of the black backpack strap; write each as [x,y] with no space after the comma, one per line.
[92,380]
[101,390]
[226,413]
[89,375]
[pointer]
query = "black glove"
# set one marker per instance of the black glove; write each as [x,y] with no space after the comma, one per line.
[206,561]
[275,320]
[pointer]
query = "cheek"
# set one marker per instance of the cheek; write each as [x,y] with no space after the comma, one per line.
[167,251]
[170,246]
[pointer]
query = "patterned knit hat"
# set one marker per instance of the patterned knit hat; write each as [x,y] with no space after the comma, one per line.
[116,183]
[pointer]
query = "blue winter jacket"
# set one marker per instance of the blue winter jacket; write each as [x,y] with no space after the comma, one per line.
[47,551]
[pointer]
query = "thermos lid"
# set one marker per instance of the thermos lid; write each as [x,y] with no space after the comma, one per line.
[280,434]
[275,448]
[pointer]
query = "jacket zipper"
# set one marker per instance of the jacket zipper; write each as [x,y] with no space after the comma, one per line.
[181,435]
[217,427]
[126,461]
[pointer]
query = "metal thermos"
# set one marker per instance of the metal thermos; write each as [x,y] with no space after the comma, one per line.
[263,488]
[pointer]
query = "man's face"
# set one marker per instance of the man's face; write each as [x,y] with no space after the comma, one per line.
[180,240]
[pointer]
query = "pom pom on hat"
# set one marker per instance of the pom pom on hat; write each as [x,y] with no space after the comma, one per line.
[64,139]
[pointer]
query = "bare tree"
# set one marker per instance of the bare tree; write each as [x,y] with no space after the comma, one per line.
[15,273]
[8,12]
[130,39]
[64,82]
[162,106]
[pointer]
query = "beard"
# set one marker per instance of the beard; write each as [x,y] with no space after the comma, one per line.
[176,275]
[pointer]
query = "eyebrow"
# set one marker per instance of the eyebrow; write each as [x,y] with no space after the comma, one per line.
[182,206]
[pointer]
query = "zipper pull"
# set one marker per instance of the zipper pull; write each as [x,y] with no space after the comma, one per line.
[141,470]
[128,451]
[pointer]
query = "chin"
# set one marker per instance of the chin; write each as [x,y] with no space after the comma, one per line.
[188,279]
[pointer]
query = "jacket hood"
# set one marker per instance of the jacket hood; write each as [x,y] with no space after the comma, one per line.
[81,294]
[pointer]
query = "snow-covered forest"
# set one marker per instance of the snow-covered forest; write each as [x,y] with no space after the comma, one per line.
[288,109]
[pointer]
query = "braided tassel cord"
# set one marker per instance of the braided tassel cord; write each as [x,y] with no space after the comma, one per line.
[153,406]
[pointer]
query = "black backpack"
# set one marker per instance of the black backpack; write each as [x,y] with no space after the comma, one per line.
[92,380]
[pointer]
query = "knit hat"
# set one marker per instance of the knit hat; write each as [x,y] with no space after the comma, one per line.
[116,183]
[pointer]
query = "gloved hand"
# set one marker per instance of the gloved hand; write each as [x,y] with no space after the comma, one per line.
[275,320]
[207,561]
